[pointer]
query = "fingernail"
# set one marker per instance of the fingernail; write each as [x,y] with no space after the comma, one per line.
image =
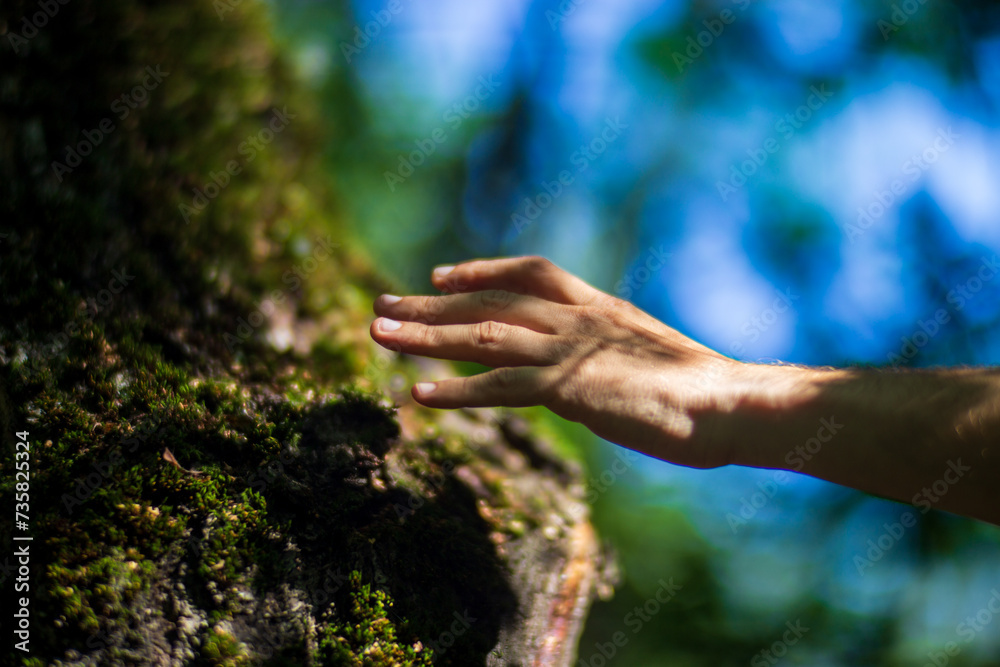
[389,299]
[442,271]
[425,387]
[388,325]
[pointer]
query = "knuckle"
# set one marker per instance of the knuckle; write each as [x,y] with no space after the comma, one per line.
[560,348]
[586,321]
[489,333]
[505,378]
[427,335]
[610,301]
[602,300]
[616,317]
[538,263]
[620,305]
[495,300]
[433,306]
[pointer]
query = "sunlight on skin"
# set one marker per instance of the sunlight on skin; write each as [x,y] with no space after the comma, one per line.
[554,340]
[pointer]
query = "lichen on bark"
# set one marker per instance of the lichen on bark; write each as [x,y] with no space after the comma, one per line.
[224,471]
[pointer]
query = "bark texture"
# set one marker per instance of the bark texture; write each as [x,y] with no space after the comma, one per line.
[224,469]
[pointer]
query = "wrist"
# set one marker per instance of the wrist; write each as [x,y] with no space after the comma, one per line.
[767,410]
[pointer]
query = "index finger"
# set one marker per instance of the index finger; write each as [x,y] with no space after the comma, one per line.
[531,275]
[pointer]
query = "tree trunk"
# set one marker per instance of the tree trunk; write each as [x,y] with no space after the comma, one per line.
[223,471]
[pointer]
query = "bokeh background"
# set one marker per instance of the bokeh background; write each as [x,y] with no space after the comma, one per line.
[813,181]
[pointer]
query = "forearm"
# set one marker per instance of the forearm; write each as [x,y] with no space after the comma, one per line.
[927,437]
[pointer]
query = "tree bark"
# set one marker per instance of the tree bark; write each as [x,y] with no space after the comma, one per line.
[224,470]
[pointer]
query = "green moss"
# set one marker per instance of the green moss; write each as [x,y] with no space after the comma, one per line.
[97,589]
[272,447]
[219,649]
[367,637]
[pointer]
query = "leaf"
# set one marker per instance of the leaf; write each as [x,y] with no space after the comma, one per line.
[168,456]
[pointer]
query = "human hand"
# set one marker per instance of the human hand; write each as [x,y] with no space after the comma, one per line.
[554,340]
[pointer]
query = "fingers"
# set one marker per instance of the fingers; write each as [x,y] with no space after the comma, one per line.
[512,387]
[489,343]
[530,275]
[509,313]
[499,305]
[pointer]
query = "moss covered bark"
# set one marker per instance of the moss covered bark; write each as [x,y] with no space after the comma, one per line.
[221,473]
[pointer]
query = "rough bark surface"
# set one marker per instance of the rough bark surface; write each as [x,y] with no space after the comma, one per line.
[223,469]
